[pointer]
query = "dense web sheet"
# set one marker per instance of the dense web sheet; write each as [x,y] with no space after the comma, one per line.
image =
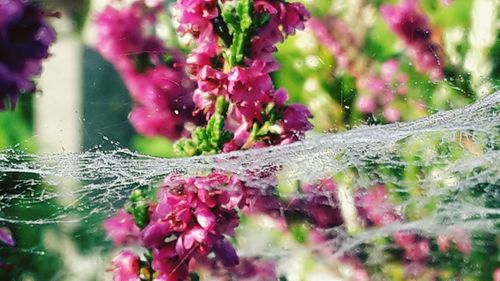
[455,153]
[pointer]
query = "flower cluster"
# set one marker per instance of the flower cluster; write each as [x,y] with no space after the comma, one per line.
[412,27]
[337,37]
[191,219]
[377,91]
[249,269]
[238,70]
[25,38]
[154,74]
[7,239]
[374,207]
[318,203]
[381,90]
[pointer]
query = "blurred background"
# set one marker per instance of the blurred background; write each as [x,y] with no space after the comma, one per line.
[82,104]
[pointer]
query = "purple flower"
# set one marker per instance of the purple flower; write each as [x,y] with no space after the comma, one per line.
[25,37]
[413,28]
[6,237]
[226,253]
[126,267]
[248,269]
[296,121]
[319,203]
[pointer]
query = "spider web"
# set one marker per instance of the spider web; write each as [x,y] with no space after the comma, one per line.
[456,153]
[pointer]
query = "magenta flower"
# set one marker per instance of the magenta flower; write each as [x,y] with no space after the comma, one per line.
[25,38]
[286,18]
[319,204]
[120,35]
[195,15]
[168,265]
[193,218]
[205,52]
[296,121]
[161,90]
[126,267]
[249,269]
[413,28]
[247,85]
[337,37]
[374,207]
[211,84]
[121,228]
[190,221]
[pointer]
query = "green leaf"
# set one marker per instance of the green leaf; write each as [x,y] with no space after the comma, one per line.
[209,139]
[138,207]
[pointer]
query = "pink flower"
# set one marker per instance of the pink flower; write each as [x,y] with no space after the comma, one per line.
[381,90]
[373,205]
[336,36]
[366,104]
[154,122]
[391,114]
[206,50]
[121,228]
[126,267]
[457,235]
